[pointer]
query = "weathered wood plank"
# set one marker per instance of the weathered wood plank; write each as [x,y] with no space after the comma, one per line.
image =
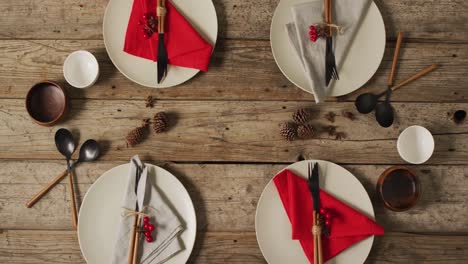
[37,246]
[226,195]
[240,70]
[245,131]
[433,20]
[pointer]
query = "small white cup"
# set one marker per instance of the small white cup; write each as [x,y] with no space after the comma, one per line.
[81,69]
[415,144]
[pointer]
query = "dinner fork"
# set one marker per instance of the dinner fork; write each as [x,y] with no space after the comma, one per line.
[331,71]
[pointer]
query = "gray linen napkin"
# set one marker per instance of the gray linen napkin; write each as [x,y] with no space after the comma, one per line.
[347,14]
[168,226]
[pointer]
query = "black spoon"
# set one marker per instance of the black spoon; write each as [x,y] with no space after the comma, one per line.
[366,103]
[89,151]
[66,145]
[384,111]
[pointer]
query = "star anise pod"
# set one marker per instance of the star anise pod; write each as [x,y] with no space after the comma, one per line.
[349,115]
[149,102]
[340,136]
[330,117]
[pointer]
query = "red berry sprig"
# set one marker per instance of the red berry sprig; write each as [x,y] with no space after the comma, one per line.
[325,221]
[313,33]
[316,32]
[148,228]
[148,24]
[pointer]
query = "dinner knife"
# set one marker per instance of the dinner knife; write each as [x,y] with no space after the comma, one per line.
[133,236]
[162,53]
[140,193]
[314,187]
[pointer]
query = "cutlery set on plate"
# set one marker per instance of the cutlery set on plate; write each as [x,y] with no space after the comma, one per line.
[314,188]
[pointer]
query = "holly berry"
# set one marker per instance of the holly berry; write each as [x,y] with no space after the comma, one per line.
[327,223]
[149,239]
[328,216]
[150,227]
[147,233]
[146,219]
[146,226]
[322,211]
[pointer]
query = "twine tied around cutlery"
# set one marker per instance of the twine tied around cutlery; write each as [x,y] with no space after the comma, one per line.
[129,212]
[316,230]
[161,11]
[339,29]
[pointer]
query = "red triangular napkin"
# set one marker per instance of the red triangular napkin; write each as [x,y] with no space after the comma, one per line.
[347,227]
[185,47]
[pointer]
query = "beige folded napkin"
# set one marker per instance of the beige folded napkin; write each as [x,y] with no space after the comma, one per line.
[346,13]
[168,226]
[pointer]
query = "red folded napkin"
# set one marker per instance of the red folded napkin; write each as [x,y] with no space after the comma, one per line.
[185,47]
[347,226]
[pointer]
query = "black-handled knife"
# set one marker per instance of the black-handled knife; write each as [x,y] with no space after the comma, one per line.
[162,53]
[314,186]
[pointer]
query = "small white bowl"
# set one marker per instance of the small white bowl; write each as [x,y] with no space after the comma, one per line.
[81,69]
[415,144]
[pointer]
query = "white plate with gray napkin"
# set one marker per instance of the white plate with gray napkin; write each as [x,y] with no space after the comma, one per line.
[358,56]
[101,223]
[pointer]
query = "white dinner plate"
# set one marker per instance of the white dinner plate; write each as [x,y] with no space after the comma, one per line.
[363,60]
[100,213]
[273,228]
[200,13]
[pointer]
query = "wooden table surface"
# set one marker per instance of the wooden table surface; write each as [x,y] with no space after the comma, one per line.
[226,145]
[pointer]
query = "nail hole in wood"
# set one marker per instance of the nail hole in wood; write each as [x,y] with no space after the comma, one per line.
[459,116]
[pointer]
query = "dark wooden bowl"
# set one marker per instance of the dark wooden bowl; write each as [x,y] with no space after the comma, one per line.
[46,103]
[398,188]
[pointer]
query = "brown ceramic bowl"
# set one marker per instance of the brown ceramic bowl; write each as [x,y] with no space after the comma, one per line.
[398,188]
[46,103]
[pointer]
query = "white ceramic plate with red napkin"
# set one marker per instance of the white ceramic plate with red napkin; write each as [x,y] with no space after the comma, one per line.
[194,20]
[101,212]
[284,236]
[362,59]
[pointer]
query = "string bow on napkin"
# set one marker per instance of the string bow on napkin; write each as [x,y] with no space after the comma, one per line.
[347,14]
[347,226]
[185,47]
[168,226]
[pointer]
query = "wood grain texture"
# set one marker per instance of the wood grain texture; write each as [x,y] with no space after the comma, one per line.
[240,70]
[240,131]
[226,195]
[428,20]
[38,246]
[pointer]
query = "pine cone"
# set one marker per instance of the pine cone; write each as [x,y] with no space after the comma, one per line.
[135,136]
[289,131]
[160,122]
[305,131]
[302,116]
